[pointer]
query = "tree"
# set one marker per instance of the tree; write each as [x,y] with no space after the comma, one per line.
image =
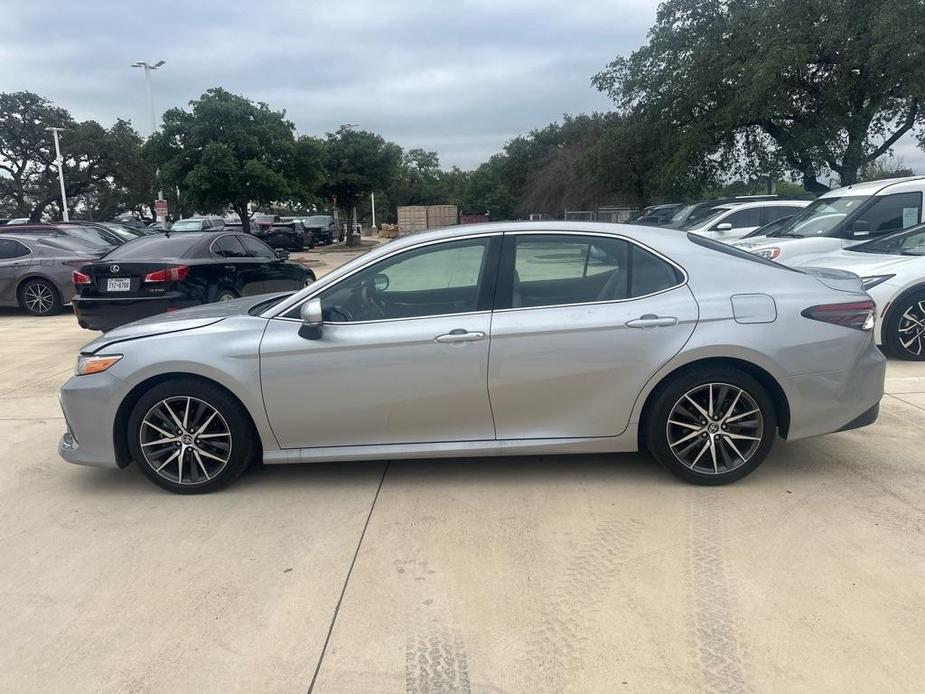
[228,151]
[94,157]
[357,163]
[804,85]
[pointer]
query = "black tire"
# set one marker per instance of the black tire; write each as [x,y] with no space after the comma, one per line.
[225,294]
[300,244]
[897,327]
[193,476]
[39,297]
[719,438]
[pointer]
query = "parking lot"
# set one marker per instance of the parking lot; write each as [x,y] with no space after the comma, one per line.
[580,573]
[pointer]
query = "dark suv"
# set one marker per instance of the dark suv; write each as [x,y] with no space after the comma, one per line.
[321,227]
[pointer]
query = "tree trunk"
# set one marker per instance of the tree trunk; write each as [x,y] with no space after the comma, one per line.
[351,239]
[241,210]
[811,184]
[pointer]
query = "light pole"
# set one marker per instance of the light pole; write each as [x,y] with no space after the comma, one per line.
[147,68]
[59,160]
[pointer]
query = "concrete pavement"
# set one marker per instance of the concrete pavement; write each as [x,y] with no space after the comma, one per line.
[584,573]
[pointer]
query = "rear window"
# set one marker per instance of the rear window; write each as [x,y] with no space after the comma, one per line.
[155,247]
[736,252]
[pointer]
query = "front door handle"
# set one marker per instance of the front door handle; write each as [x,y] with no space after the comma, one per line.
[460,335]
[650,320]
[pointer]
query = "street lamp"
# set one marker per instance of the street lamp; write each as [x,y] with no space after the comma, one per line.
[59,160]
[147,67]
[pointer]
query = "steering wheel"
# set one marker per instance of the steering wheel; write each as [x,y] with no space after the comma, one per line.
[370,302]
[338,314]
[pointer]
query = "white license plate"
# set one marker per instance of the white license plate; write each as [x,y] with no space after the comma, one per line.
[118,284]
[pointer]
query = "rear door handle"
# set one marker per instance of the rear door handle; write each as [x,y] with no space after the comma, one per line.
[650,320]
[460,335]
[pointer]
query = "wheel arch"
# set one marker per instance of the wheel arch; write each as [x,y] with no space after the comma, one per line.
[902,296]
[124,411]
[37,276]
[770,384]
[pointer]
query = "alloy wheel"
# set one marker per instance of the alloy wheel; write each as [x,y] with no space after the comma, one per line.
[185,440]
[38,297]
[912,329]
[714,428]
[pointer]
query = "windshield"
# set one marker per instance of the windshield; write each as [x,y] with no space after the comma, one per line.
[695,221]
[908,242]
[681,214]
[318,221]
[187,225]
[90,235]
[821,217]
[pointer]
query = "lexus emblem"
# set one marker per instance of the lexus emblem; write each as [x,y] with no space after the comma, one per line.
[114,268]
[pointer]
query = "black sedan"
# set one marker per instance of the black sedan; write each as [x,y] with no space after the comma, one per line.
[155,274]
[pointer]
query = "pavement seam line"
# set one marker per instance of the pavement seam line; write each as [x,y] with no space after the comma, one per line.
[343,590]
[43,378]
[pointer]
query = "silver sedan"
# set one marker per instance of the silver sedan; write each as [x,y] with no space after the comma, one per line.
[501,339]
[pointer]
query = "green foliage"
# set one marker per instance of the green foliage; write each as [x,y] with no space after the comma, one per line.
[228,151]
[357,163]
[97,161]
[766,86]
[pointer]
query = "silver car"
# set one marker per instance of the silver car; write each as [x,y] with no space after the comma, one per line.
[498,339]
[36,271]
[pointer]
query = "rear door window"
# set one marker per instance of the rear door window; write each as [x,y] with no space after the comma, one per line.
[743,218]
[11,248]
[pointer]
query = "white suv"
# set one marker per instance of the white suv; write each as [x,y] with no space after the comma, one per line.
[844,217]
[734,220]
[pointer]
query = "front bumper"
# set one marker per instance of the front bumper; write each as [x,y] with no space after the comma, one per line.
[89,404]
[107,313]
[831,401]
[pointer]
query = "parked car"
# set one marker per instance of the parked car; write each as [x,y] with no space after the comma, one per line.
[322,228]
[731,222]
[289,235]
[100,238]
[155,274]
[688,214]
[17,220]
[198,224]
[655,214]
[843,218]
[892,269]
[601,340]
[35,271]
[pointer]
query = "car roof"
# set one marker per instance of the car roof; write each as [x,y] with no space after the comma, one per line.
[787,202]
[885,186]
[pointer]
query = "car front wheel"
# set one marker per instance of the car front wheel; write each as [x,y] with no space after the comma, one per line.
[904,331]
[40,298]
[711,426]
[191,437]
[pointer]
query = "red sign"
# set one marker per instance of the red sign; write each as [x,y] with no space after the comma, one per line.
[160,208]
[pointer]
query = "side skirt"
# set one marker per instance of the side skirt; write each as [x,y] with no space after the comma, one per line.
[452,449]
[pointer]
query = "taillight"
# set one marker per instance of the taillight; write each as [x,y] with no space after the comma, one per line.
[857,314]
[79,278]
[168,274]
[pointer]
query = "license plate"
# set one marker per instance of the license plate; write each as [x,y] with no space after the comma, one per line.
[118,284]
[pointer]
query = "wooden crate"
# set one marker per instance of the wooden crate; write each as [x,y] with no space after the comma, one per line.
[411,218]
[442,216]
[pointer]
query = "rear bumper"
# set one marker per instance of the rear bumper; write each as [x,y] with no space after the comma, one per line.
[107,313]
[831,401]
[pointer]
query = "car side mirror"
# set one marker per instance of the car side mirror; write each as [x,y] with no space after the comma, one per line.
[282,254]
[725,226]
[311,319]
[860,229]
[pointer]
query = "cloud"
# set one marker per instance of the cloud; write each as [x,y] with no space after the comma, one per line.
[460,78]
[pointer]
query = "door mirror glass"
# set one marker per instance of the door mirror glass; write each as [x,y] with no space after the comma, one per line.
[860,228]
[282,254]
[725,226]
[311,319]
[381,282]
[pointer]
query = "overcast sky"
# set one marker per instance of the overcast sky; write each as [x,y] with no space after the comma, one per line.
[460,78]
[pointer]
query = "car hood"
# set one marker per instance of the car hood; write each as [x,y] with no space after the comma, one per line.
[177,321]
[863,264]
[759,241]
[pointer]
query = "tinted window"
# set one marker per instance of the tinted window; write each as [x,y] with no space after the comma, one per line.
[893,213]
[256,248]
[743,218]
[434,280]
[775,213]
[911,242]
[228,246]
[187,225]
[10,248]
[158,246]
[552,270]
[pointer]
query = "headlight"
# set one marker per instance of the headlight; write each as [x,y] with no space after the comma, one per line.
[768,253]
[874,280]
[94,364]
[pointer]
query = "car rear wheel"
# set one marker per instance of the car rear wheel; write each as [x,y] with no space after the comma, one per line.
[191,437]
[40,298]
[904,331]
[711,426]
[225,295]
